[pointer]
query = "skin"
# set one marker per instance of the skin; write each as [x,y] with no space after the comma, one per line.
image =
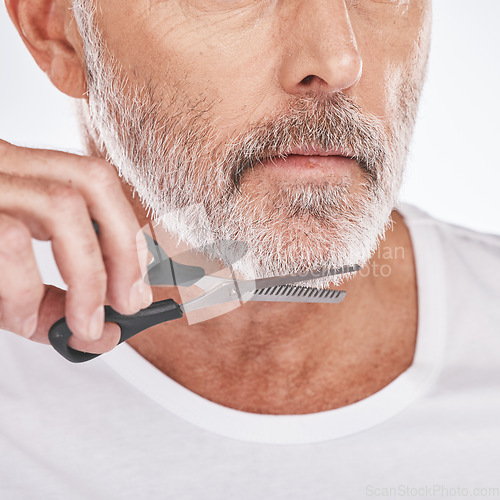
[263,357]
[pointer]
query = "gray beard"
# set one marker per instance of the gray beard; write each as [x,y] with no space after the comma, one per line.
[194,185]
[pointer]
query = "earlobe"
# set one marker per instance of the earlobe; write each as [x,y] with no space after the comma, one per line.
[67,76]
[49,31]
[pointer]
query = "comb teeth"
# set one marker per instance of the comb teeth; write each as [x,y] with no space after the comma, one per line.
[289,293]
[298,291]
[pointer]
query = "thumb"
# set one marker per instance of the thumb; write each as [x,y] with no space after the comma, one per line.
[52,308]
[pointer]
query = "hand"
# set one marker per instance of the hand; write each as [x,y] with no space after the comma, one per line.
[50,195]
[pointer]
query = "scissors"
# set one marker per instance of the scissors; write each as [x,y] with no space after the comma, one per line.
[163,271]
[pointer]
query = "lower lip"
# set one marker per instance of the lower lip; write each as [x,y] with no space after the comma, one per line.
[300,164]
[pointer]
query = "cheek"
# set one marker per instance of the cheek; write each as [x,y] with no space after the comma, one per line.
[394,53]
[226,61]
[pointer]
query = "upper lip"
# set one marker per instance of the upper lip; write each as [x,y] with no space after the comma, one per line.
[315,151]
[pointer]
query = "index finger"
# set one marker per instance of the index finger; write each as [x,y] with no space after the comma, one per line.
[123,246]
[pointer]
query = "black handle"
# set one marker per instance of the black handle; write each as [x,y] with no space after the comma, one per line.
[157,312]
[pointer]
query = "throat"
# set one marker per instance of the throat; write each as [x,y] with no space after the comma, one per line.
[330,366]
[296,358]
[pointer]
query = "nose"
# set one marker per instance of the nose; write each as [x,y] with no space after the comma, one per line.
[320,52]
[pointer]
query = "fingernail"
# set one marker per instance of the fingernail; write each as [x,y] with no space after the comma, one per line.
[96,324]
[147,297]
[135,297]
[29,326]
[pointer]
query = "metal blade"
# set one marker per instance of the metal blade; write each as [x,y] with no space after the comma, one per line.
[287,293]
[258,284]
[229,290]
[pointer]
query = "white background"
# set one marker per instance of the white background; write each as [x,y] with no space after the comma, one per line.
[453,170]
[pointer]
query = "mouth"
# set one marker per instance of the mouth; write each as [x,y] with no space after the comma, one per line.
[316,161]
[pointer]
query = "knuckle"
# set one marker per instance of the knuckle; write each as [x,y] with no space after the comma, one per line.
[64,198]
[21,297]
[96,281]
[30,295]
[101,173]
[91,251]
[14,235]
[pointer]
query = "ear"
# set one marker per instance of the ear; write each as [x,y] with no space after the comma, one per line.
[49,31]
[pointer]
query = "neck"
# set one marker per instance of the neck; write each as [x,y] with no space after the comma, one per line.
[288,358]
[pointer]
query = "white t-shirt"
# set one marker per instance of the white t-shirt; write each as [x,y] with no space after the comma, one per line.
[116,427]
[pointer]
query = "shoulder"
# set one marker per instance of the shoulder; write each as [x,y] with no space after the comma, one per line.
[471,255]
[464,240]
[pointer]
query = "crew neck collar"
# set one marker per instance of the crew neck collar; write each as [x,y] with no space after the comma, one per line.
[324,425]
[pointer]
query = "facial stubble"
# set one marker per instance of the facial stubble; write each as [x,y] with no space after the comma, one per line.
[202,186]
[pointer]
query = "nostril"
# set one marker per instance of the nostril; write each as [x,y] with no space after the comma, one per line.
[308,79]
[311,80]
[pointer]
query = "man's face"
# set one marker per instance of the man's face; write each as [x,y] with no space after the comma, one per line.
[196,102]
